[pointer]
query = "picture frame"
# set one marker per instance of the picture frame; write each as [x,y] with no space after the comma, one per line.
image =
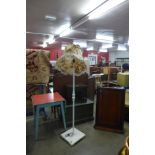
[92,59]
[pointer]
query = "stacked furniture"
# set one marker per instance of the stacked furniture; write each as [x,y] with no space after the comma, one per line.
[95,70]
[98,79]
[111,72]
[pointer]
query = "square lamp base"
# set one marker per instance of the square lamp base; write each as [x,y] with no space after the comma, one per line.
[72,138]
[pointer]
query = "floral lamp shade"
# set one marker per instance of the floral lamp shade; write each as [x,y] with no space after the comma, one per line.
[71,61]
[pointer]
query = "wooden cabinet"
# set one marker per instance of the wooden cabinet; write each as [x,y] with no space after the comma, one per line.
[110,109]
[80,93]
[83,112]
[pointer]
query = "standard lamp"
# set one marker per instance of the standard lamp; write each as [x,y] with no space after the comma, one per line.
[72,63]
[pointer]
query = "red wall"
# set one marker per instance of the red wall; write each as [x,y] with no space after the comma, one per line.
[101,54]
[55,51]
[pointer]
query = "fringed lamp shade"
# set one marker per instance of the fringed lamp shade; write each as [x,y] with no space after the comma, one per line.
[72,60]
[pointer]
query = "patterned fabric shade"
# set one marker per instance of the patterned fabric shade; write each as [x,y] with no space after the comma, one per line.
[37,66]
[72,60]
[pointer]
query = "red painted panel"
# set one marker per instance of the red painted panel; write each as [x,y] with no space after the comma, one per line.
[100,55]
[46,98]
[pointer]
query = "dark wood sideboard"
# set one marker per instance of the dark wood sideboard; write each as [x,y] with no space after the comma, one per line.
[80,93]
[110,105]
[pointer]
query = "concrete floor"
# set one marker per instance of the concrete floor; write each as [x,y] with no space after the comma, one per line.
[96,142]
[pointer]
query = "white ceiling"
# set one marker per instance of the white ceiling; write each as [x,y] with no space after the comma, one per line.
[38,28]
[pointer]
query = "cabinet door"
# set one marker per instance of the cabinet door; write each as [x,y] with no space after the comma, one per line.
[110,109]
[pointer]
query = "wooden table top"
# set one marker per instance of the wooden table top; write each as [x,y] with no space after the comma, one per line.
[46,98]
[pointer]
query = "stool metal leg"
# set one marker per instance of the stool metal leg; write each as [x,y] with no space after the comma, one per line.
[63,114]
[58,112]
[34,114]
[36,122]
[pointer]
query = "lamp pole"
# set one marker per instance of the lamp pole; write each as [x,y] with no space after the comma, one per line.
[73,100]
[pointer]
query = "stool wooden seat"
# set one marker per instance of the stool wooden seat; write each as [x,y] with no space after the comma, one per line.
[45,100]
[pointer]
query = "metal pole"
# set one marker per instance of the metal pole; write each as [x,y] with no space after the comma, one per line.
[73,99]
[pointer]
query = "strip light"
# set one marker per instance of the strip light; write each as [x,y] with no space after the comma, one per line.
[81,43]
[50,40]
[121,47]
[44,45]
[87,7]
[104,38]
[90,48]
[96,13]
[106,46]
[66,32]
[62,28]
[50,18]
[103,50]
[107,6]
[99,11]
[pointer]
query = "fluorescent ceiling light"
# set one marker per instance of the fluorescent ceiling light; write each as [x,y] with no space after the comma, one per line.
[104,38]
[66,32]
[103,50]
[121,47]
[90,48]
[80,22]
[39,33]
[86,8]
[102,41]
[105,46]
[63,46]
[62,28]
[81,43]
[50,18]
[44,45]
[107,6]
[50,40]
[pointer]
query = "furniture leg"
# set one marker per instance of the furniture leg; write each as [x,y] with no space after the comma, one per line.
[34,114]
[63,114]
[55,112]
[59,112]
[42,89]
[36,122]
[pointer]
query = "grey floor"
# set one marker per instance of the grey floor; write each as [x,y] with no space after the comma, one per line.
[96,142]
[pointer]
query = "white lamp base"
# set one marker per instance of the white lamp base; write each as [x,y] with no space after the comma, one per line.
[72,138]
